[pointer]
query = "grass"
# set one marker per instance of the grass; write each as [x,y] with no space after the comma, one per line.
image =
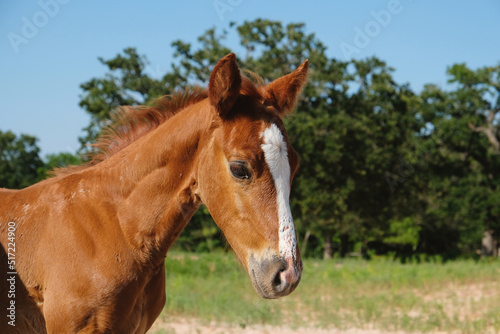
[455,297]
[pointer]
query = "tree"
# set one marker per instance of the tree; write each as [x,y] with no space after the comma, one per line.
[382,169]
[19,160]
[330,118]
[126,83]
[351,125]
[464,161]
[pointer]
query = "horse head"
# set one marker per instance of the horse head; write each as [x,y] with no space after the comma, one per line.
[246,170]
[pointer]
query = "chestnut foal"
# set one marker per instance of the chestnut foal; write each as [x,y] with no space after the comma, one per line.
[87,247]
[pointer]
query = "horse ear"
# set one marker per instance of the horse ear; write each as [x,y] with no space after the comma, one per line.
[283,92]
[224,85]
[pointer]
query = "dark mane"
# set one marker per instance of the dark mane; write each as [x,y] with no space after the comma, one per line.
[129,123]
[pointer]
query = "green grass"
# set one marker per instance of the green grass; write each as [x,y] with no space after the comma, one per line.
[460,297]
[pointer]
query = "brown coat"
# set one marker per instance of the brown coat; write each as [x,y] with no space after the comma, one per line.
[90,243]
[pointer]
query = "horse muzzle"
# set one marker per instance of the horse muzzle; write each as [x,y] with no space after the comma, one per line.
[275,276]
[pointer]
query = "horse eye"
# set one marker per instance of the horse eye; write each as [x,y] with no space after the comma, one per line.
[240,170]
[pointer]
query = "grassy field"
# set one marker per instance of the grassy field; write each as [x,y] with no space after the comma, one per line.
[455,297]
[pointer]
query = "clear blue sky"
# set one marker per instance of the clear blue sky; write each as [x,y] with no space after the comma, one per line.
[39,84]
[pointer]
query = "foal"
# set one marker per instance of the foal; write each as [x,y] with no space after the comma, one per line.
[84,252]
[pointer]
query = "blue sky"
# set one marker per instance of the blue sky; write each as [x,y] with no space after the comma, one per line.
[49,47]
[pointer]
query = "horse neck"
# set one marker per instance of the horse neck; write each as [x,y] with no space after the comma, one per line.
[156,180]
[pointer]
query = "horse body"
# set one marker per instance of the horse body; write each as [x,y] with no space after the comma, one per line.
[93,217]
[76,281]
[90,244]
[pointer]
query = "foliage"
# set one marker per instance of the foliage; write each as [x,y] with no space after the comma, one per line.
[201,235]
[380,165]
[126,83]
[351,124]
[382,169]
[19,160]
[462,161]
[403,232]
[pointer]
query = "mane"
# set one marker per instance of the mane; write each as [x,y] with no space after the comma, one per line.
[129,123]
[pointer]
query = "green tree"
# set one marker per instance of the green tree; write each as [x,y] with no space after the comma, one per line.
[382,169]
[463,161]
[336,127]
[351,125]
[125,83]
[19,160]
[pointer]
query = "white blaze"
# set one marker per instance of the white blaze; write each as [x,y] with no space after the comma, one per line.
[276,155]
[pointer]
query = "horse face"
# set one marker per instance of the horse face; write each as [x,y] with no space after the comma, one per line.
[246,174]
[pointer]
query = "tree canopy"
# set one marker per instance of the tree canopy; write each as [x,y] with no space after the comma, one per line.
[19,160]
[383,169]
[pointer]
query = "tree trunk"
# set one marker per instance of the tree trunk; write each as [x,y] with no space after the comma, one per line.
[489,244]
[328,250]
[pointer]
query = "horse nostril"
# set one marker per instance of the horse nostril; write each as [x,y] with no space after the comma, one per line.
[277,279]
